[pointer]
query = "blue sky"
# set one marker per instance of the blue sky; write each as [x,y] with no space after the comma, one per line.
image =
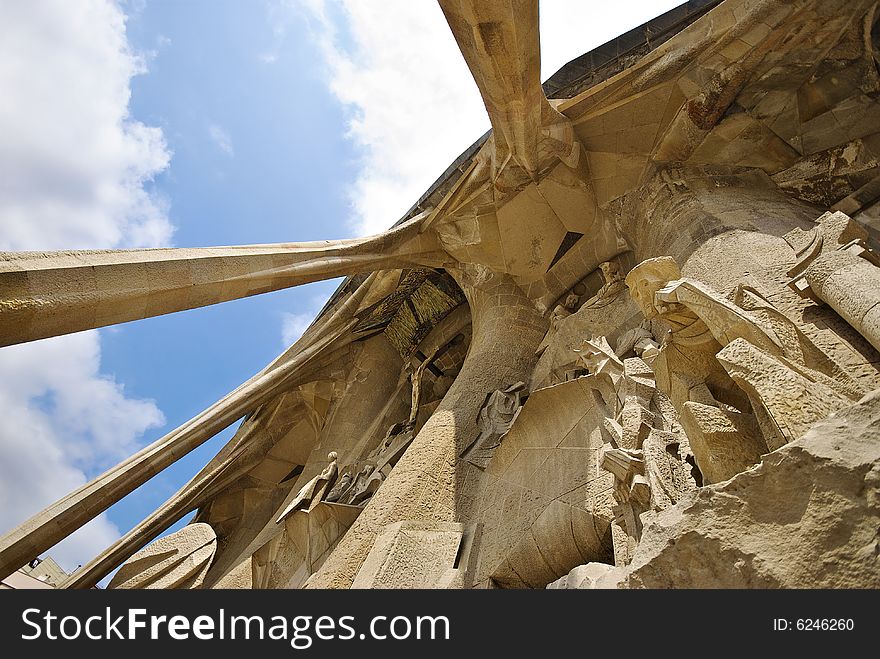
[259,157]
[199,123]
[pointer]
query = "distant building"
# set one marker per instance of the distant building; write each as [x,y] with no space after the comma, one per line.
[45,573]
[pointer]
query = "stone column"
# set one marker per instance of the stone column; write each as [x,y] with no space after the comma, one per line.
[53,524]
[45,294]
[425,483]
[719,226]
[850,285]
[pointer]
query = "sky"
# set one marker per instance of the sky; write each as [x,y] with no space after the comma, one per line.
[155,123]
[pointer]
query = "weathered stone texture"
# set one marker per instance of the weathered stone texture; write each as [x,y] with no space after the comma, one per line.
[806,517]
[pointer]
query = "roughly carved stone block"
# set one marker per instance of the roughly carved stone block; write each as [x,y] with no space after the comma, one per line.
[793,521]
[496,418]
[791,401]
[179,560]
[587,576]
[724,442]
[416,554]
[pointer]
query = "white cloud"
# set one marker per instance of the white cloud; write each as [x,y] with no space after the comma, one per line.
[61,419]
[414,105]
[73,171]
[570,28]
[221,138]
[73,163]
[294,324]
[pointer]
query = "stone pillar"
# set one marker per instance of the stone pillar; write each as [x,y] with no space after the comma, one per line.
[719,226]
[372,379]
[850,285]
[425,484]
[66,515]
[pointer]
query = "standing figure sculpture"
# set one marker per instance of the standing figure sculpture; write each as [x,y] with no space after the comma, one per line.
[313,492]
[612,287]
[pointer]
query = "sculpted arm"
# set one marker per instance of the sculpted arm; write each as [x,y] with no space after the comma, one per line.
[724,319]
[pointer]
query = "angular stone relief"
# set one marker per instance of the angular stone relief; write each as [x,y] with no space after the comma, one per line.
[413,554]
[313,492]
[179,560]
[692,361]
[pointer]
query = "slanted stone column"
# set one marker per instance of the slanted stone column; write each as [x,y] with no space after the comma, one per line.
[45,294]
[425,484]
[850,285]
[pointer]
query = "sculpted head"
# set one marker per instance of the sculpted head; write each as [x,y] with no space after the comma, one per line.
[610,271]
[331,456]
[647,278]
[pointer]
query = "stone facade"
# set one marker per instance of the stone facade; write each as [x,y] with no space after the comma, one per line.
[628,340]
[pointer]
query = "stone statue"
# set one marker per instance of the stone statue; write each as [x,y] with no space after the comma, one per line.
[701,322]
[375,467]
[358,483]
[641,341]
[632,496]
[598,357]
[564,310]
[416,380]
[600,361]
[340,487]
[312,493]
[750,330]
[496,418]
[612,287]
[646,449]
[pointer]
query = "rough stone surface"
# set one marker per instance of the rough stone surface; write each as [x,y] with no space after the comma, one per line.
[179,560]
[414,555]
[587,576]
[806,517]
[724,442]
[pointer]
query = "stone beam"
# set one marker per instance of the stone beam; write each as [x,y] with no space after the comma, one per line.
[499,40]
[50,526]
[45,294]
[250,446]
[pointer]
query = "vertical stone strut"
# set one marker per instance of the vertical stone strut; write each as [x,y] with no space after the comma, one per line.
[506,330]
[698,218]
[500,42]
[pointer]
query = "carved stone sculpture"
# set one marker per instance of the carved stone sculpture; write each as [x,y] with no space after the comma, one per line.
[701,322]
[612,287]
[312,493]
[496,418]
[646,451]
[372,471]
[416,381]
[341,486]
[639,340]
